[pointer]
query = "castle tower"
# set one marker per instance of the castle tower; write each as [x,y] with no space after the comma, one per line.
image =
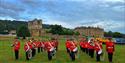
[35,27]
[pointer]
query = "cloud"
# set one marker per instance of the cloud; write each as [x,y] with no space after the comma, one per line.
[114,0]
[107,25]
[64,24]
[11,6]
[10,9]
[68,13]
[119,8]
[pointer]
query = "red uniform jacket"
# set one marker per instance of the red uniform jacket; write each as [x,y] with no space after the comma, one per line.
[91,46]
[27,46]
[16,45]
[72,45]
[110,47]
[82,44]
[34,44]
[30,45]
[48,46]
[86,44]
[38,44]
[53,43]
[98,47]
[42,44]
[67,44]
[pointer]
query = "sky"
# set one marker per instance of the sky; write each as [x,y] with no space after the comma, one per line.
[107,14]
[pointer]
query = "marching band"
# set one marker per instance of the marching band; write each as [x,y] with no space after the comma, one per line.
[89,46]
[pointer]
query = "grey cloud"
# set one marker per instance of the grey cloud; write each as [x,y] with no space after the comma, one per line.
[9,9]
[11,6]
[8,13]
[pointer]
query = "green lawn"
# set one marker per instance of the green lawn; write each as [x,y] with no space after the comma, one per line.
[7,54]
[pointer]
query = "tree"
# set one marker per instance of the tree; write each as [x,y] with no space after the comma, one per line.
[77,33]
[56,29]
[23,31]
[113,34]
[117,35]
[108,34]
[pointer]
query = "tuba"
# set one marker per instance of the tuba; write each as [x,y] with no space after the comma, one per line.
[92,43]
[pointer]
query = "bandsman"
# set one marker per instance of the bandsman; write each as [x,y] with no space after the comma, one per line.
[91,47]
[42,46]
[38,45]
[86,46]
[54,43]
[82,44]
[110,48]
[27,48]
[16,45]
[72,47]
[50,49]
[34,46]
[98,49]
[67,45]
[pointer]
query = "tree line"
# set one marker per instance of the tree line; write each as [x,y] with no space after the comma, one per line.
[114,34]
[21,26]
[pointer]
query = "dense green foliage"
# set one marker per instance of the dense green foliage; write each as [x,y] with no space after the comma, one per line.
[10,25]
[114,34]
[58,29]
[14,25]
[23,31]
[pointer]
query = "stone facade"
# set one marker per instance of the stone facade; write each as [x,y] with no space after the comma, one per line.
[90,31]
[35,27]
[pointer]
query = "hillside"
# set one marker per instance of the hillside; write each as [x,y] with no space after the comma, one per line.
[13,25]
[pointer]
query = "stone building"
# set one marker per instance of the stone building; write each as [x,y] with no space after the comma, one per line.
[90,31]
[12,32]
[35,27]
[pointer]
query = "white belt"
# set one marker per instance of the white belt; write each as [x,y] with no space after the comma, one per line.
[75,49]
[110,47]
[52,49]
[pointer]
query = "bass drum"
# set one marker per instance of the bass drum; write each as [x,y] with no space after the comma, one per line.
[30,54]
[53,52]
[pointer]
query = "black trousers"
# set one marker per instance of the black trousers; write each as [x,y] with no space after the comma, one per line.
[41,49]
[80,48]
[72,55]
[27,58]
[33,52]
[110,56]
[83,49]
[67,50]
[86,50]
[16,54]
[38,49]
[97,56]
[49,55]
[91,53]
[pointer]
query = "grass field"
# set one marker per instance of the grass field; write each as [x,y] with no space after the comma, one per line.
[7,54]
